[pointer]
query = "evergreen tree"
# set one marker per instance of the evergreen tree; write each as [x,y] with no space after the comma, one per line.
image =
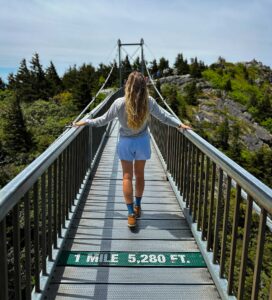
[2,84]
[11,82]
[126,68]
[182,109]
[235,146]
[53,79]
[81,83]
[17,140]
[137,64]
[113,80]
[158,86]
[245,73]
[191,93]
[195,69]
[39,82]
[253,100]
[24,84]
[70,78]
[163,65]
[223,134]
[181,65]
[228,86]
[221,61]
[265,106]
[154,68]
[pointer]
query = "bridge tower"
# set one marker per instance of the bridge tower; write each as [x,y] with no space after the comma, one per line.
[120,44]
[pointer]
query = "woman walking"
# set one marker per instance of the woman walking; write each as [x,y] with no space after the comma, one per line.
[133,146]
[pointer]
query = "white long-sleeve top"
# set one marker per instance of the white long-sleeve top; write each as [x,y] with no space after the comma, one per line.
[118,110]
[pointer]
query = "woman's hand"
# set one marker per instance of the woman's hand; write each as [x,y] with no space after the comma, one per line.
[183,126]
[80,123]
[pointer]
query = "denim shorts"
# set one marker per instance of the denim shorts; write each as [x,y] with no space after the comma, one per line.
[134,148]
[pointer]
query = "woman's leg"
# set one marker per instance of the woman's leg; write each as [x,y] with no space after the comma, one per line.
[127,167]
[139,175]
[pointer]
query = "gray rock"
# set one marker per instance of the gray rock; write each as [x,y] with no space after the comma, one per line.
[176,79]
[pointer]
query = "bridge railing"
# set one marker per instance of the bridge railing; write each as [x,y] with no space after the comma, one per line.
[36,206]
[224,224]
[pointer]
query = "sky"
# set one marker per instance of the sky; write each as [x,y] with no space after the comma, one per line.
[70,32]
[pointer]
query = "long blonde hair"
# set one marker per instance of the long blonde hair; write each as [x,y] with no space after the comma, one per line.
[136,100]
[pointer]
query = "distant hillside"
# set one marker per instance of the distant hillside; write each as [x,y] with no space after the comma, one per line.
[230,105]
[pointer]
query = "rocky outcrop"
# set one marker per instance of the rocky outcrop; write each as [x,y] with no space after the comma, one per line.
[253,135]
[179,80]
[214,109]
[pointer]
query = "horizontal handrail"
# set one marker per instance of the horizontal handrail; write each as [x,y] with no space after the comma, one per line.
[202,178]
[253,186]
[18,186]
[37,206]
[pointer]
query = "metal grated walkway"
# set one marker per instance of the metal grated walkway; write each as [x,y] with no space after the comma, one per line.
[100,224]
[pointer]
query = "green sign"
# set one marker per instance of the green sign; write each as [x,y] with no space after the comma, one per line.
[133,259]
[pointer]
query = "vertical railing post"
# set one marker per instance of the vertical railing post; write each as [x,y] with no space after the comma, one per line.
[16,251]
[210,221]
[59,197]
[234,240]
[27,233]
[217,218]
[55,206]
[195,200]
[192,180]
[245,248]
[36,238]
[205,202]
[43,236]
[225,226]
[259,255]
[50,216]
[3,261]
[167,149]
[200,191]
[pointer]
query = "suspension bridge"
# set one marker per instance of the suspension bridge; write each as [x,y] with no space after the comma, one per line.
[69,238]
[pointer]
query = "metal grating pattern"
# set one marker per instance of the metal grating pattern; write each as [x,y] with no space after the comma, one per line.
[100,225]
[132,291]
[133,275]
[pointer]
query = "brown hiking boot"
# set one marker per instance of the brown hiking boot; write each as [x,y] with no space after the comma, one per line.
[131,221]
[137,211]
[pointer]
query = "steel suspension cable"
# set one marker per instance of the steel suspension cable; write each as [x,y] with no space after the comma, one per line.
[68,127]
[94,98]
[163,100]
[131,56]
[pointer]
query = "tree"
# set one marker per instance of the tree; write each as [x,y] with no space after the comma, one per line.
[137,64]
[181,65]
[126,66]
[235,146]
[24,84]
[170,93]
[195,68]
[154,68]
[265,106]
[163,65]
[39,82]
[253,100]
[53,79]
[17,140]
[228,86]
[223,134]
[81,82]
[11,82]
[2,84]
[191,93]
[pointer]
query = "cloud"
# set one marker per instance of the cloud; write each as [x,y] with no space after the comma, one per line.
[72,32]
